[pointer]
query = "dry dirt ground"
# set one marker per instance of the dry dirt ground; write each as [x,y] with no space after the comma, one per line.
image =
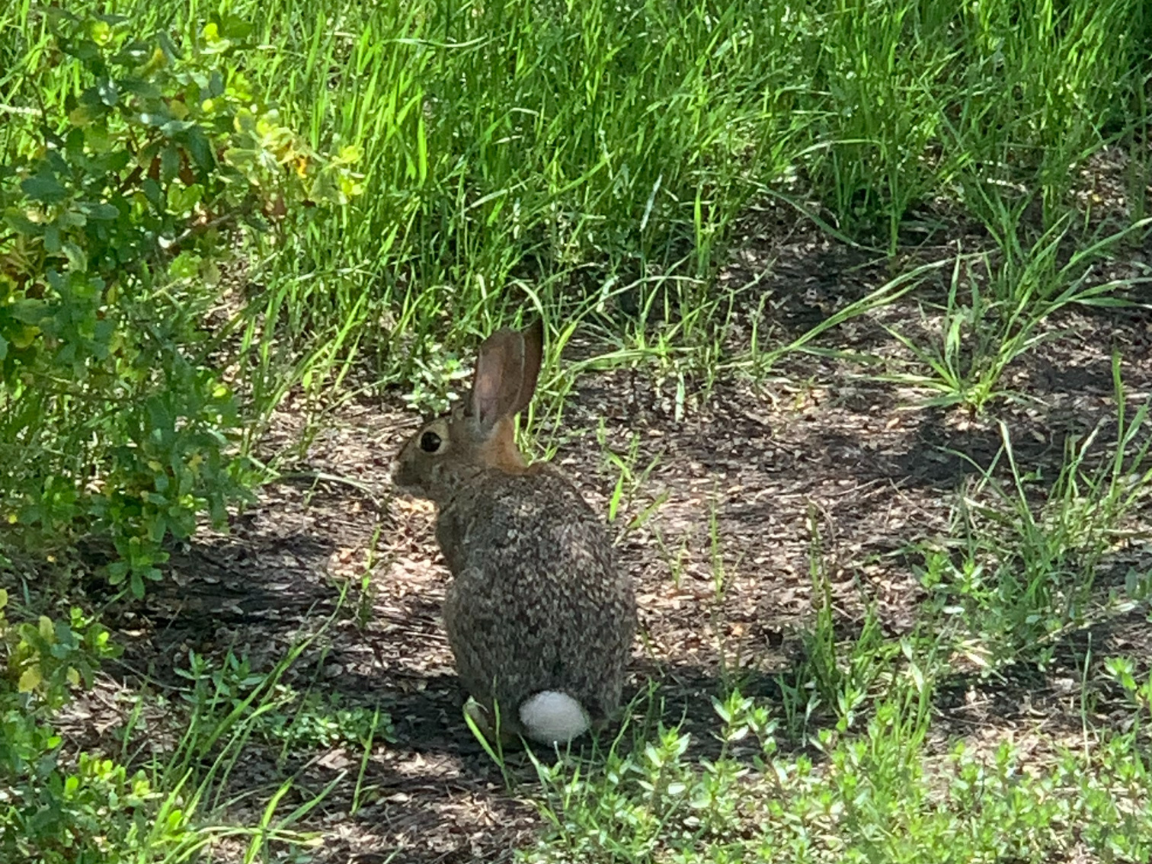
[821,452]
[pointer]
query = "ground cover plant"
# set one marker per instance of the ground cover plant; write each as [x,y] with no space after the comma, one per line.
[849,338]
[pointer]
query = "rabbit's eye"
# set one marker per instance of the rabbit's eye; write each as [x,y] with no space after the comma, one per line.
[429,442]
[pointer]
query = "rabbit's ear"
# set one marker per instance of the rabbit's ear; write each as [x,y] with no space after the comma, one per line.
[499,375]
[533,336]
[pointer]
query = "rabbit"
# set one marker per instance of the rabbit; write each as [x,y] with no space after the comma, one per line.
[539,615]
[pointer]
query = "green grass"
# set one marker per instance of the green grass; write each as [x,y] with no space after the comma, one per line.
[521,157]
[1028,549]
[601,164]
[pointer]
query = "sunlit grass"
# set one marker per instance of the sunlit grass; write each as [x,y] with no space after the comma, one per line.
[522,156]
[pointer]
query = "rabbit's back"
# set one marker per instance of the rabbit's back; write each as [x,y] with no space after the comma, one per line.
[538,601]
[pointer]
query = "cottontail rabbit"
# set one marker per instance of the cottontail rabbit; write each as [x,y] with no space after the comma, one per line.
[539,615]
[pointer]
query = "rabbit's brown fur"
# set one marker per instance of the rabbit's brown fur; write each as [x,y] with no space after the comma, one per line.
[538,601]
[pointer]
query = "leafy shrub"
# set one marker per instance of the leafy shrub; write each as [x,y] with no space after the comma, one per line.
[115,417]
[120,207]
[47,811]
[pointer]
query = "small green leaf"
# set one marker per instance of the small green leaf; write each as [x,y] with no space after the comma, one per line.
[116,572]
[21,224]
[158,529]
[186,265]
[169,163]
[102,212]
[74,145]
[82,115]
[108,93]
[174,128]
[87,51]
[30,679]
[44,188]
[101,30]
[28,311]
[23,338]
[170,50]
[152,192]
[136,53]
[52,237]
[77,258]
[142,88]
[235,27]
[200,149]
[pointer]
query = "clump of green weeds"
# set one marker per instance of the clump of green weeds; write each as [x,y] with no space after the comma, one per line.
[1024,571]
[879,793]
[999,308]
[273,711]
[835,677]
[56,807]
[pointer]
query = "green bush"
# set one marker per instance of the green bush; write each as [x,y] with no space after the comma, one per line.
[116,418]
[125,188]
[49,812]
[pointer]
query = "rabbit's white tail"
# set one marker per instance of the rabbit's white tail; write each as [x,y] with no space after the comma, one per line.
[553,717]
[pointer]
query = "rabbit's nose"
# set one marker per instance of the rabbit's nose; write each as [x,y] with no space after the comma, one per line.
[399,473]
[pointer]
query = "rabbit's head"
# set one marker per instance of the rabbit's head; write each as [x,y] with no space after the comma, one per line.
[478,434]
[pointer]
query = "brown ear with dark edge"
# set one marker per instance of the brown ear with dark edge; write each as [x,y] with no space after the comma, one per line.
[497,382]
[533,336]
